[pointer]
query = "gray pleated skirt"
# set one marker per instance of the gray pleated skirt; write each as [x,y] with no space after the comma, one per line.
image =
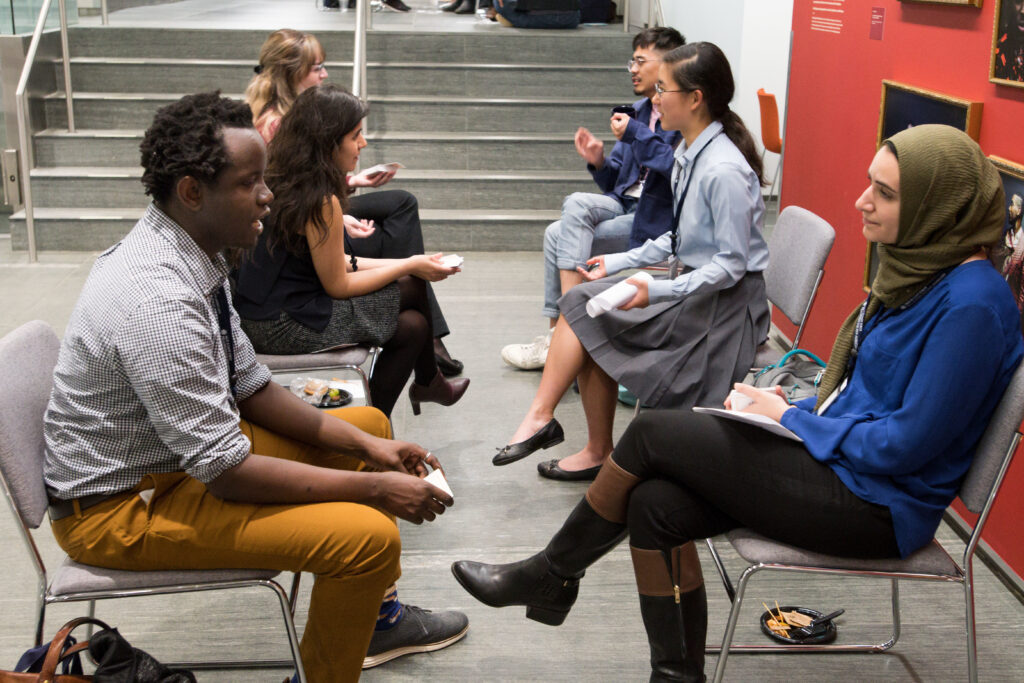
[675,354]
[368,319]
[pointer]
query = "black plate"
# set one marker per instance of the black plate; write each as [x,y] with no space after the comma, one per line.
[342,400]
[827,637]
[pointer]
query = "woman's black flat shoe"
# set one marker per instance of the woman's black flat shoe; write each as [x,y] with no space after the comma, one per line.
[448,366]
[551,470]
[547,436]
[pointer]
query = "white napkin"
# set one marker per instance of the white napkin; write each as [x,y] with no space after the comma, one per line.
[615,296]
[451,261]
[437,479]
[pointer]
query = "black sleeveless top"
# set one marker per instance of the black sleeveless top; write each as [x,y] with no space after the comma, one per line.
[272,282]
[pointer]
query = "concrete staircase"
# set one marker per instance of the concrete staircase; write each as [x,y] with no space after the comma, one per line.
[482,121]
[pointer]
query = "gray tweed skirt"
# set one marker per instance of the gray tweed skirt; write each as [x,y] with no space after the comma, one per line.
[675,354]
[368,319]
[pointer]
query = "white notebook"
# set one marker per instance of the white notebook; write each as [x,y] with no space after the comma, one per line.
[765,423]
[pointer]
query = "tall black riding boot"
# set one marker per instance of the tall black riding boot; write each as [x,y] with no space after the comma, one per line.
[547,583]
[675,612]
[676,634]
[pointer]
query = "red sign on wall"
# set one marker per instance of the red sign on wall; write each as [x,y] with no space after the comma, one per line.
[877,23]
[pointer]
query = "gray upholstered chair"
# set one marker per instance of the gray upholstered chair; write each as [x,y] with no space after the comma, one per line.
[348,357]
[798,247]
[931,563]
[28,356]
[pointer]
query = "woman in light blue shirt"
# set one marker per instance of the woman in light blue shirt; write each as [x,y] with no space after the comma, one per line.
[682,340]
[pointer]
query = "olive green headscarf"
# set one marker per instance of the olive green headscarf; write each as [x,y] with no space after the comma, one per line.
[951,205]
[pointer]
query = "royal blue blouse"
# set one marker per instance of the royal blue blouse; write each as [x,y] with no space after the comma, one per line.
[926,381]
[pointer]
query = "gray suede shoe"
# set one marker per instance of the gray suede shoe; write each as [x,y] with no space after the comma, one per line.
[420,630]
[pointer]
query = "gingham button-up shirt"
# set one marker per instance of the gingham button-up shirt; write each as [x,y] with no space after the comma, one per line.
[141,384]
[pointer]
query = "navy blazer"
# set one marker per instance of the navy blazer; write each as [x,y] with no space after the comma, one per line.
[638,147]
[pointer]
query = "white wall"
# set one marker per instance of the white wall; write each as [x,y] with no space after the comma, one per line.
[753,34]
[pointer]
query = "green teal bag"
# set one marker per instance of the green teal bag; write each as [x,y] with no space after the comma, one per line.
[799,373]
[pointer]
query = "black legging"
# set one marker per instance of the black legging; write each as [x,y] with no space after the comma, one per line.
[703,475]
[411,349]
[396,215]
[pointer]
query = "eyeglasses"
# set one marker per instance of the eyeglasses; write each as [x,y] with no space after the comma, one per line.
[319,67]
[661,91]
[639,63]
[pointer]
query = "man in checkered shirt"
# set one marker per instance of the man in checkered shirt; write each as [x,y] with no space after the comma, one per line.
[168,447]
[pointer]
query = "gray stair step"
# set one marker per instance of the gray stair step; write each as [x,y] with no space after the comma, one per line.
[387,113]
[446,151]
[98,187]
[392,78]
[457,47]
[85,229]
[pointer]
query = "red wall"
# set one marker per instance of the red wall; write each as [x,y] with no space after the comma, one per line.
[831,129]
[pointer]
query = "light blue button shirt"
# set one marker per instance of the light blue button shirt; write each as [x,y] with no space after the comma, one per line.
[720,226]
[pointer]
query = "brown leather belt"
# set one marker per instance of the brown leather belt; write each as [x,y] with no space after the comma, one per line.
[59,509]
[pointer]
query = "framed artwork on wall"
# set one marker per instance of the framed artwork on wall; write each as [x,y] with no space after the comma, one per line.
[904,106]
[1009,258]
[971,3]
[1007,65]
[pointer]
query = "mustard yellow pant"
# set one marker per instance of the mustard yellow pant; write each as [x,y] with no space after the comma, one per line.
[352,549]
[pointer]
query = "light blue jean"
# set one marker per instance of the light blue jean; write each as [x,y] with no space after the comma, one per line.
[591,224]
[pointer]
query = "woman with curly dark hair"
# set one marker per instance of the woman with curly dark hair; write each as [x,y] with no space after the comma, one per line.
[301,291]
[384,224]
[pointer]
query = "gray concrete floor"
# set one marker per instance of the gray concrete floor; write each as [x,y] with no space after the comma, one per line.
[504,514]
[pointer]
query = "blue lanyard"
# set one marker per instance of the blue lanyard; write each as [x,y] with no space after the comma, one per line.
[686,190]
[858,330]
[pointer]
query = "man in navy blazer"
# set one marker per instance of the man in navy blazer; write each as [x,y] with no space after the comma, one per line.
[636,204]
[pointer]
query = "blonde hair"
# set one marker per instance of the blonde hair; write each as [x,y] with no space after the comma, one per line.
[285,59]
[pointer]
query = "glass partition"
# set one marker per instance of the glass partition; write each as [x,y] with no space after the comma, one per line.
[19,16]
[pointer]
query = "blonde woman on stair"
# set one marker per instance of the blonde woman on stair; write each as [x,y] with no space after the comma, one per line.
[384,224]
[684,340]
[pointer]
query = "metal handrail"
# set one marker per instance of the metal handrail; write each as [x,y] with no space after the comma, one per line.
[21,107]
[359,57]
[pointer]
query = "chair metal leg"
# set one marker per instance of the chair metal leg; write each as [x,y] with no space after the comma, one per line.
[895,617]
[293,644]
[287,609]
[771,190]
[730,627]
[91,611]
[722,573]
[972,643]
[728,648]
[293,594]
[41,617]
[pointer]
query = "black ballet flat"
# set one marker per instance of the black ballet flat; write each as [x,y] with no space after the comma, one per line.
[448,366]
[547,436]
[552,470]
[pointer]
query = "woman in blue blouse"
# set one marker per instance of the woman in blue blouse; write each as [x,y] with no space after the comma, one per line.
[914,376]
[682,341]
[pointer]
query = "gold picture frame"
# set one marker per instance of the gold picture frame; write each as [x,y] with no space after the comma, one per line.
[1002,70]
[903,106]
[968,3]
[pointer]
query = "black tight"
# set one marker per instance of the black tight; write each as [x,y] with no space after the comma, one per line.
[410,350]
[702,475]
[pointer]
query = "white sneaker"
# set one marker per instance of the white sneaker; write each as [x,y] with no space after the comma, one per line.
[530,356]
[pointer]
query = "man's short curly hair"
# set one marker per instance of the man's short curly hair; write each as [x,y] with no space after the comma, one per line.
[185,139]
